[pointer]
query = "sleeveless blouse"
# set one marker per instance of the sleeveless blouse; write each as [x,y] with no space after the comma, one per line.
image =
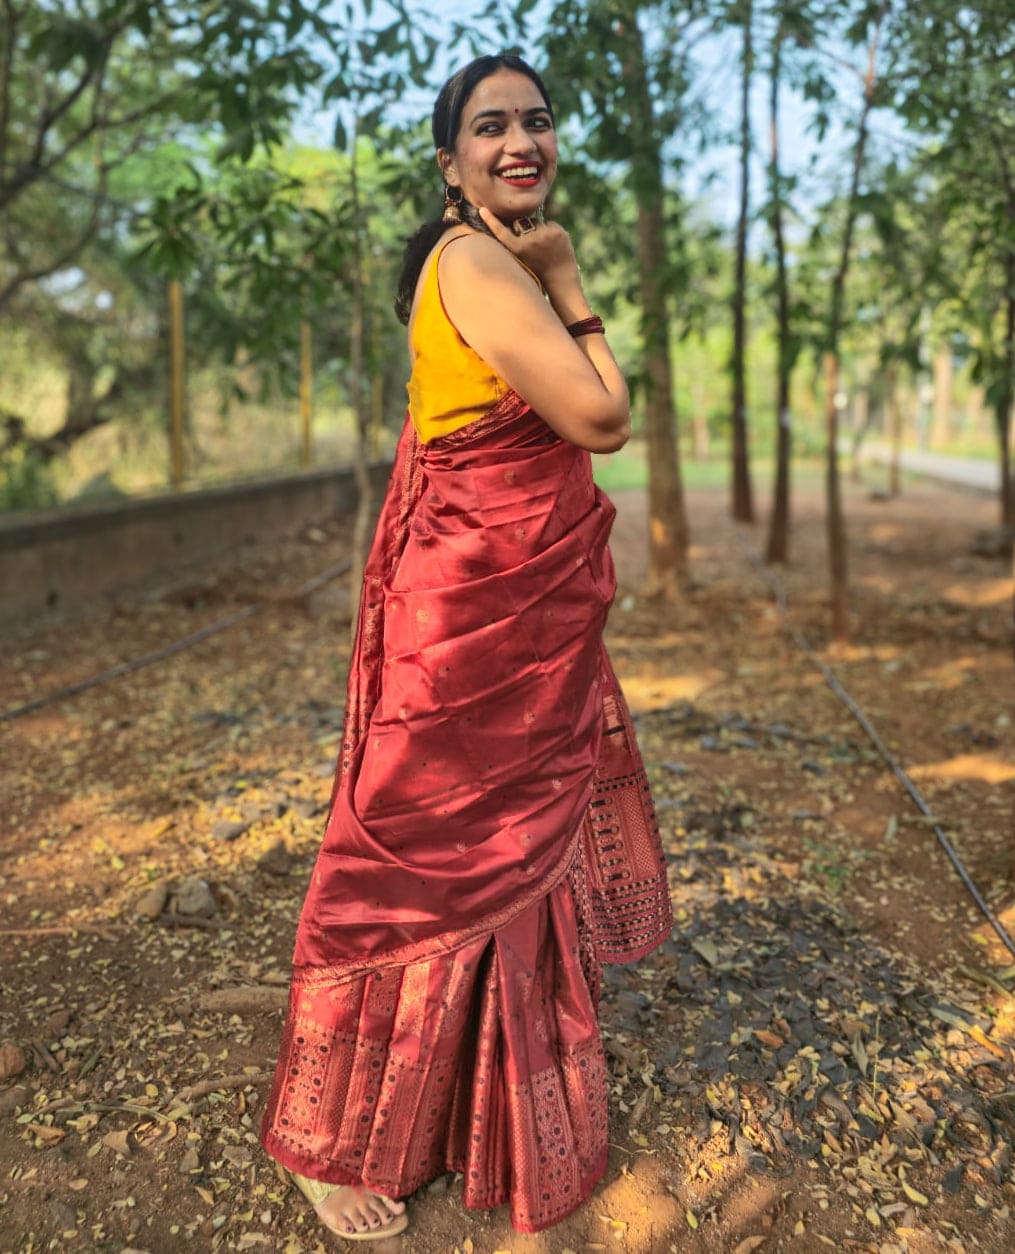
[450,385]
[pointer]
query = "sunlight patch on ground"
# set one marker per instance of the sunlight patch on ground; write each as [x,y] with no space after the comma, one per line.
[987,767]
[664,639]
[878,583]
[646,692]
[983,592]
[1004,1024]
[951,674]
[885,531]
[51,722]
[868,652]
[634,1209]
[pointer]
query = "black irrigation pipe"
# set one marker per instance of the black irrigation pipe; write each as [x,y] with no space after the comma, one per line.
[168,650]
[836,686]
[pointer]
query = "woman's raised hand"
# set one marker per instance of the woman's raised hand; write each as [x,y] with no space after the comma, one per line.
[547,250]
[575,385]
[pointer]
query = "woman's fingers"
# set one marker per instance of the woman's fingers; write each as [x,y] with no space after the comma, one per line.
[546,249]
[497,228]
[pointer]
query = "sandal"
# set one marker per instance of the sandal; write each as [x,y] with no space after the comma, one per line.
[317,1191]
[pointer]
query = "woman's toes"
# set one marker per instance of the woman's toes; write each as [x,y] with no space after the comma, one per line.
[351,1210]
[380,1213]
[347,1220]
[343,1210]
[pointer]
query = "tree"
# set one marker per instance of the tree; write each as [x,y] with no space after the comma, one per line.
[85,85]
[835,523]
[630,95]
[743,506]
[794,24]
[120,118]
[954,87]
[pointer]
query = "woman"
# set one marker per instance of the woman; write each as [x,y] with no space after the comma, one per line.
[491,838]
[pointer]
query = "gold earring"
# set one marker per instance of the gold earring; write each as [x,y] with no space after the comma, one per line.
[452,205]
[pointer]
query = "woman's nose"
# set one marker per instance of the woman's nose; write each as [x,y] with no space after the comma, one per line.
[519,139]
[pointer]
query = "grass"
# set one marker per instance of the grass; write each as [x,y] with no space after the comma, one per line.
[628,470]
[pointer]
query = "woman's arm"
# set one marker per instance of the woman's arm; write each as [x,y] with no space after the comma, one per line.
[575,385]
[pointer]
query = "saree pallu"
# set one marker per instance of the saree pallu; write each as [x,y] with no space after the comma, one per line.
[490,842]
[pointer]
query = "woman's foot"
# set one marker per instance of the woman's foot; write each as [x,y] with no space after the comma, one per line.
[350,1209]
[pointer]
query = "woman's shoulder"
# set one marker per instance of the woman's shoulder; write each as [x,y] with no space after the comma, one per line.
[478,257]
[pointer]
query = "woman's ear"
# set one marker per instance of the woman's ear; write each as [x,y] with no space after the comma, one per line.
[446,162]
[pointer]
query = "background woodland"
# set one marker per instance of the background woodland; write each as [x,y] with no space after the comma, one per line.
[797,216]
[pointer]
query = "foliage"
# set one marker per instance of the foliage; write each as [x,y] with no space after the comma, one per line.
[25,481]
[142,141]
[955,84]
[86,85]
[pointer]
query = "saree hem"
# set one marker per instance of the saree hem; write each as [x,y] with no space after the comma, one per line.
[311,1167]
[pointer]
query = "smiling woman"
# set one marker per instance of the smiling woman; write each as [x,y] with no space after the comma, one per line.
[491,838]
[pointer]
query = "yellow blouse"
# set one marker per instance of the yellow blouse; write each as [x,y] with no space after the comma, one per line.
[450,385]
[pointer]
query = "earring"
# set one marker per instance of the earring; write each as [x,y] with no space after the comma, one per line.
[452,205]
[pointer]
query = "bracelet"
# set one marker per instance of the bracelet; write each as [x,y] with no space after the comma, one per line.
[587,326]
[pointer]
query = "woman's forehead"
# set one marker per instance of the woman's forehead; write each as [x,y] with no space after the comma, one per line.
[506,91]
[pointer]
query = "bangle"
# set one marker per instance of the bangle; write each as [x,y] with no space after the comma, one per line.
[587,326]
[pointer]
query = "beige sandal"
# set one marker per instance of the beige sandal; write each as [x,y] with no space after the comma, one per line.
[317,1191]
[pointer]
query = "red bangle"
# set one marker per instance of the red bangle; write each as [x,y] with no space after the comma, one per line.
[587,326]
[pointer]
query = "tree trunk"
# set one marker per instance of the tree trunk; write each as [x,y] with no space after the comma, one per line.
[835,525]
[743,506]
[977,418]
[835,519]
[364,487]
[177,385]
[668,536]
[941,421]
[306,394]
[778,533]
[861,421]
[699,422]
[893,409]
[1006,397]
[1005,416]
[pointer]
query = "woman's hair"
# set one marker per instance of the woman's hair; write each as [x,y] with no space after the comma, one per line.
[445,123]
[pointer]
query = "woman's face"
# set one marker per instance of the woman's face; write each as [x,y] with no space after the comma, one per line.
[505,156]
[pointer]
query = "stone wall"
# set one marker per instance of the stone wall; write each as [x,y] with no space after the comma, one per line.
[56,560]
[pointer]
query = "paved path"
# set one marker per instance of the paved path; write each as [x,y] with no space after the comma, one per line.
[982,475]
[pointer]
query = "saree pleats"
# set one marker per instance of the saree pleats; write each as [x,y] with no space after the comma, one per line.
[487,1061]
[491,841]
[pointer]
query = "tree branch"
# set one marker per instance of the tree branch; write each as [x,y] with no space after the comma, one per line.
[35,166]
[55,264]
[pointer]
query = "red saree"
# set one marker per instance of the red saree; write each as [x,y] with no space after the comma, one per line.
[491,841]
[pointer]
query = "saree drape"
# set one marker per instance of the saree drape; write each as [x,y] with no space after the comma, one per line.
[491,840]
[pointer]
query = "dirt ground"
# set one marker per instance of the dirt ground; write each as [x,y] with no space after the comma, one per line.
[822,1054]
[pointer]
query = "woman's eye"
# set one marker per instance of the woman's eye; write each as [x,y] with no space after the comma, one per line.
[489,128]
[540,124]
